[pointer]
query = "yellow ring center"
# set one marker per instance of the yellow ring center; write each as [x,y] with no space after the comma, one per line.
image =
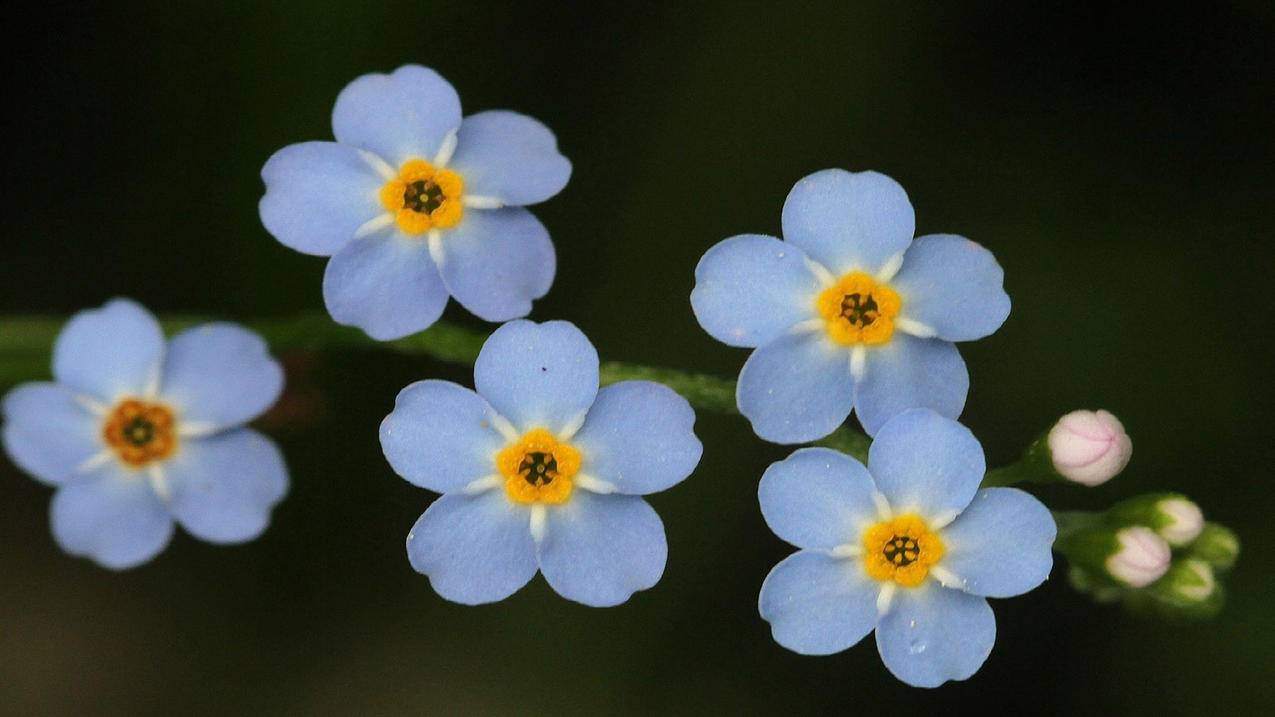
[902,549]
[422,198]
[538,468]
[859,310]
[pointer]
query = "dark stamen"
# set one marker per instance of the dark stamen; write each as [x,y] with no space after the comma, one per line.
[901,550]
[422,196]
[539,468]
[858,309]
[139,432]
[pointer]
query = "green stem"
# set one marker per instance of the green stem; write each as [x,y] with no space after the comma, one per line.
[26,342]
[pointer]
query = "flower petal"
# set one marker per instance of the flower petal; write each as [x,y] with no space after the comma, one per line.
[385,284]
[817,604]
[639,437]
[927,464]
[538,375]
[109,353]
[600,549]
[496,261]
[953,286]
[220,375]
[474,548]
[111,516]
[224,486]
[849,220]
[796,388]
[933,634]
[317,195]
[47,433]
[818,498]
[509,156]
[908,373]
[440,437]
[749,289]
[398,116]
[1000,545]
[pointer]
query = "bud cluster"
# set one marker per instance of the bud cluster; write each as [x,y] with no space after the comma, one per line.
[1154,553]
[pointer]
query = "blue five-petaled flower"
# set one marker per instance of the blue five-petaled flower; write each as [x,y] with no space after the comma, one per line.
[413,203]
[540,470]
[908,546]
[137,432]
[847,311]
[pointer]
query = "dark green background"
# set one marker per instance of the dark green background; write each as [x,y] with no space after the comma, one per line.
[1118,162]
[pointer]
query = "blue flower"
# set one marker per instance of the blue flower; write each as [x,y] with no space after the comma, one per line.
[136,433]
[848,311]
[414,204]
[909,546]
[540,470]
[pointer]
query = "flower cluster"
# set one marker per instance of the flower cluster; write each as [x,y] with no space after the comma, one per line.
[543,470]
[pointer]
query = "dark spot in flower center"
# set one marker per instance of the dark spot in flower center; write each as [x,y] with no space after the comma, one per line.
[139,432]
[859,309]
[423,196]
[901,550]
[538,468]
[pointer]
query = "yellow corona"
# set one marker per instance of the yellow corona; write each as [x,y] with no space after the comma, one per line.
[422,198]
[140,432]
[538,468]
[859,310]
[902,550]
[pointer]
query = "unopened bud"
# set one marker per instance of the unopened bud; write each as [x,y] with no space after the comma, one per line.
[1141,557]
[1216,545]
[1173,517]
[1188,581]
[1089,447]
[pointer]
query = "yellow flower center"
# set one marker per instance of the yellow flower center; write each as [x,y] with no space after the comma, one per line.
[140,432]
[901,549]
[538,468]
[857,310]
[423,198]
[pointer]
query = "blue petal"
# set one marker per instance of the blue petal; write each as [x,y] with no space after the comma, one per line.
[496,261]
[111,516]
[224,486]
[440,437]
[818,498]
[109,353]
[849,221]
[908,373]
[399,116]
[317,195]
[796,388]
[750,289]
[933,634]
[47,433]
[509,156]
[927,464]
[954,286]
[639,437]
[474,548]
[538,375]
[220,375]
[1000,545]
[600,549]
[385,284]
[817,604]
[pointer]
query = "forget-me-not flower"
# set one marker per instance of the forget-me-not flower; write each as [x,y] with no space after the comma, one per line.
[908,546]
[413,204]
[136,432]
[847,311]
[540,470]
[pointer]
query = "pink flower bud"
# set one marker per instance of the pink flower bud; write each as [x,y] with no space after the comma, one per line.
[1184,521]
[1089,447]
[1142,558]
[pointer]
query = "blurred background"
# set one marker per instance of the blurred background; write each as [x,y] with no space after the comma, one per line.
[1117,161]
